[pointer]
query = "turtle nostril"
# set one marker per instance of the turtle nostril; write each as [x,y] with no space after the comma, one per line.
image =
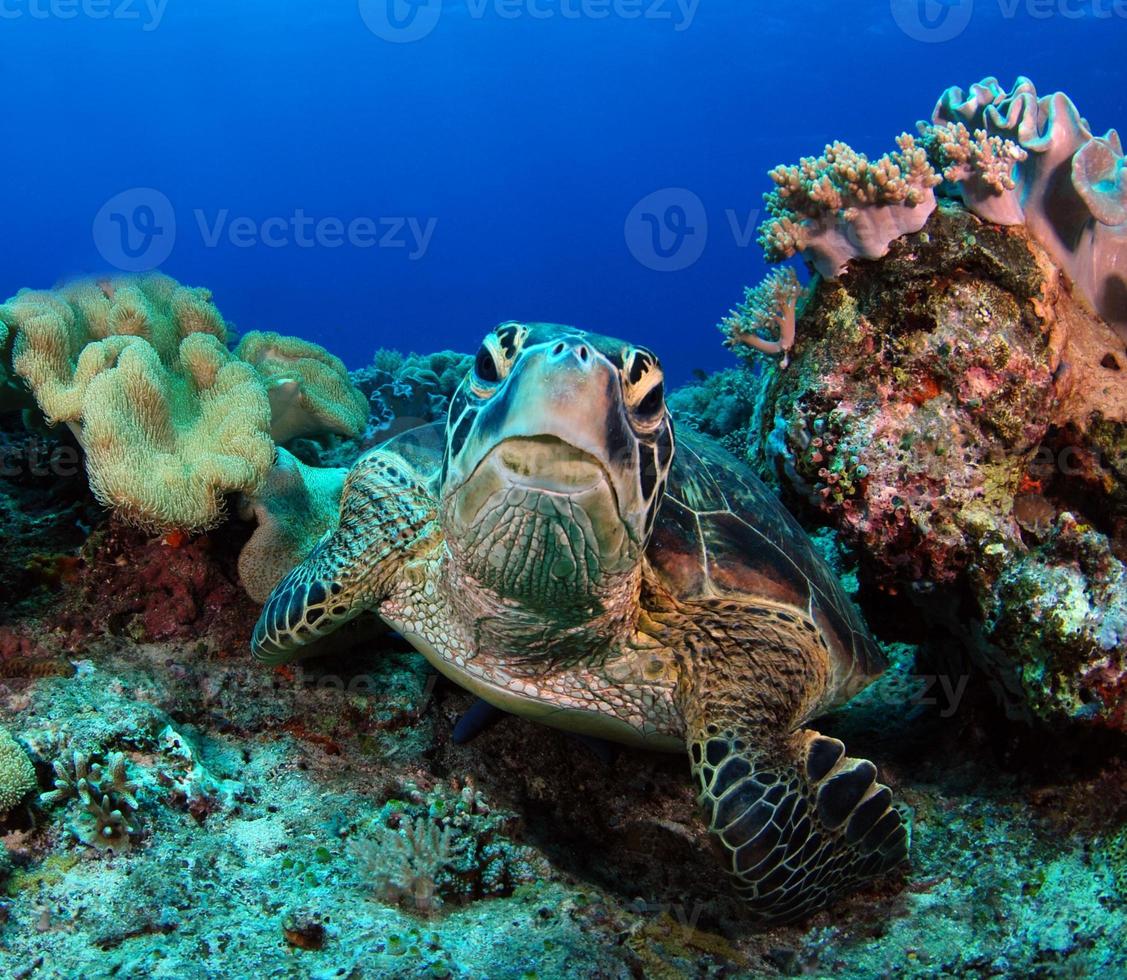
[558,349]
[584,354]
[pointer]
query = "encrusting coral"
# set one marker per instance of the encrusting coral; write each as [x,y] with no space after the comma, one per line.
[309,389]
[939,412]
[840,205]
[956,410]
[765,320]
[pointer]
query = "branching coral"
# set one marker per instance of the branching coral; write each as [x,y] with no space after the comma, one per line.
[446,844]
[309,388]
[841,205]
[1070,189]
[104,792]
[404,864]
[765,320]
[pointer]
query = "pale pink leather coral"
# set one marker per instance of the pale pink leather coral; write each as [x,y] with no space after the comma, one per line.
[1069,190]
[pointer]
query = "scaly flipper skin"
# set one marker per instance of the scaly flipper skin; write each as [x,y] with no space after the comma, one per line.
[386,508]
[799,823]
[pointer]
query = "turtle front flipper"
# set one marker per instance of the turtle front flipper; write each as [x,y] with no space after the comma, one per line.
[386,509]
[799,824]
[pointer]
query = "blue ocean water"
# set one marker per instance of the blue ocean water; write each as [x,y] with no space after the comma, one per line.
[407,173]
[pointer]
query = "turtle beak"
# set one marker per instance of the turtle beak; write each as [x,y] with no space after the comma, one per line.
[567,391]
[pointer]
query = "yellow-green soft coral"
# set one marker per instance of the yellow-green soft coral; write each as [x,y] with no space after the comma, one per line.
[57,333]
[165,446]
[309,388]
[17,774]
[170,420]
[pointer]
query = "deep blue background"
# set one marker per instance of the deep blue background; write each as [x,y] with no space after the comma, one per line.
[529,140]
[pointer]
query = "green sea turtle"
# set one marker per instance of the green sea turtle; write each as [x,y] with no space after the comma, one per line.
[548,550]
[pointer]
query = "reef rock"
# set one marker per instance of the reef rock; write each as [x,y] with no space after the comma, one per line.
[958,417]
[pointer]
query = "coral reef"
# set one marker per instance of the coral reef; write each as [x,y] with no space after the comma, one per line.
[1069,186]
[951,410]
[927,393]
[840,206]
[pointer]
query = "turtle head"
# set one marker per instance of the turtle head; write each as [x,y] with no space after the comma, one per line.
[558,445]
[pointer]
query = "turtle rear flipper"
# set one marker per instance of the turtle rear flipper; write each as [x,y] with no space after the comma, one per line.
[800,825]
[385,509]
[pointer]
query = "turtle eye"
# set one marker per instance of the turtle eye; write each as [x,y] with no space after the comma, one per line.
[485,366]
[653,402]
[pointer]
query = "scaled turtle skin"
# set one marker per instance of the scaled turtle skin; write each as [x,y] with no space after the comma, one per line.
[552,550]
